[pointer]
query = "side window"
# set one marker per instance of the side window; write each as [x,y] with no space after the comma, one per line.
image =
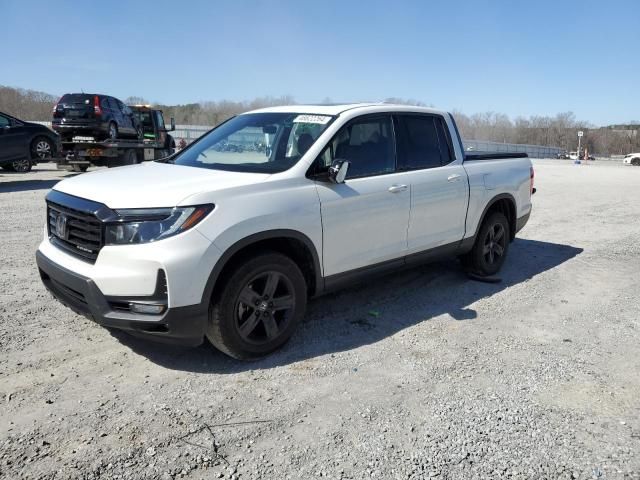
[4,122]
[104,103]
[160,121]
[418,145]
[120,105]
[367,143]
[444,138]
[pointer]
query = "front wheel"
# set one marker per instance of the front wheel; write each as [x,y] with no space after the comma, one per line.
[491,246]
[41,149]
[259,306]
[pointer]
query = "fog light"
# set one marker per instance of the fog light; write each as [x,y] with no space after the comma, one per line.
[147,308]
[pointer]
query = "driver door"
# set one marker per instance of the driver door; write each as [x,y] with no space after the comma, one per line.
[364,219]
[13,145]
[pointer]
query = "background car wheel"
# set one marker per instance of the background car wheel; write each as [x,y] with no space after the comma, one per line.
[21,166]
[635,162]
[491,246]
[130,157]
[259,306]
[112,132]
[79,168]
[42,149]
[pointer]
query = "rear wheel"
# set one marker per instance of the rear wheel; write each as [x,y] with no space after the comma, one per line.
[258,308]
[21,166]
[491,246]
[130,157]
[635,162]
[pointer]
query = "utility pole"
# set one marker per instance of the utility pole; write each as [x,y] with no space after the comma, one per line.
[580,133]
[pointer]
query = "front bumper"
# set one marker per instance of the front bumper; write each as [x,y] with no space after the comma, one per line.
[177,325]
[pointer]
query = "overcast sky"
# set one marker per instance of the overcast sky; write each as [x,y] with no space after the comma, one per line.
[516,57]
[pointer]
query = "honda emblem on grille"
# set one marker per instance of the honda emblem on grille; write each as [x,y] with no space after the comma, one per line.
[61,226]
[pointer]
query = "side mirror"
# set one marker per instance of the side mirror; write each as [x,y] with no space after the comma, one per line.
[173,124]
[338,171]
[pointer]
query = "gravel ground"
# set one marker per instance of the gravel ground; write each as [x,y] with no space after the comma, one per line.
[416,375]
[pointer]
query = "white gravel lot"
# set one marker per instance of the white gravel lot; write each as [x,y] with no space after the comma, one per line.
[416,375]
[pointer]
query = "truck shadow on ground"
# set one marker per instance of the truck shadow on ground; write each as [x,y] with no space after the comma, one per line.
[368,313]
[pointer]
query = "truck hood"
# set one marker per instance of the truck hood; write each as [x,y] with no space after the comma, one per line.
[151,184]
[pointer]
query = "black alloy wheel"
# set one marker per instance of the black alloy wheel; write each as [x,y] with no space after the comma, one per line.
[494,244]
[264,307]
[258,305]
[490,248]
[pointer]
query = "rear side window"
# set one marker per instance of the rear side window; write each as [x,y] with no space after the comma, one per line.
[104,103]
[4,121]
[422,142]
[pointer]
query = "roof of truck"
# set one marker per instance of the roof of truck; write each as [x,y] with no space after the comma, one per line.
[337,109]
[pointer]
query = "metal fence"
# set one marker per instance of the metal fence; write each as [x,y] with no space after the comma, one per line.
[192,132]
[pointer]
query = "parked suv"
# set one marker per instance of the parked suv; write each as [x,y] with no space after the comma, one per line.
[99,116]
[228,244]
[24,143]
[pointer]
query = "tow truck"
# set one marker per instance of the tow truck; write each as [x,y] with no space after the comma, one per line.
[82,152]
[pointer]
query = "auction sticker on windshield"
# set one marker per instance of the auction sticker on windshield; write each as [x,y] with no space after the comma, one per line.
[321,119]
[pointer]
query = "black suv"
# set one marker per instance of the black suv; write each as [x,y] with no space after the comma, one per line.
[23,143]
[99,116]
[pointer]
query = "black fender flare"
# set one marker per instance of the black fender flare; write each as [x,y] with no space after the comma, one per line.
[255,238]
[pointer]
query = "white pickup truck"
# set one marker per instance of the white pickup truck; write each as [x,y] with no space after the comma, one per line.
[228,238]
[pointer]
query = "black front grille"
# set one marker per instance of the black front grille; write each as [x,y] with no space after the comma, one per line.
[82,236]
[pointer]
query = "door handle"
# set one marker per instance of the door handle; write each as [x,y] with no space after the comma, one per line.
[453,178]
[397,188]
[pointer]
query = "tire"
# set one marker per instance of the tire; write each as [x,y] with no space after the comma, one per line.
[79,168]
[244,319]
[635,162]
[112,131]
[21,166]
[491,246]
[42,149]
[130,157]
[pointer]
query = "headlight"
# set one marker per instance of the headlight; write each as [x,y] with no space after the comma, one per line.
[144,225]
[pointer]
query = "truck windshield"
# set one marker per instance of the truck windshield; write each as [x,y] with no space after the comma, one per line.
[256,142]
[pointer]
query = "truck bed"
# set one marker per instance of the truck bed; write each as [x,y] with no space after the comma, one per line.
[493,155]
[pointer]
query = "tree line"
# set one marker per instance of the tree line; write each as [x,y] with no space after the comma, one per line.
[553,131]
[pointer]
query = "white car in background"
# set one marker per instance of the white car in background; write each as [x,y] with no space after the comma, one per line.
[632,159]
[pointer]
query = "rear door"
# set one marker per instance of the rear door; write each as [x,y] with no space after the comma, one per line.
[365,219]
[439,186]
